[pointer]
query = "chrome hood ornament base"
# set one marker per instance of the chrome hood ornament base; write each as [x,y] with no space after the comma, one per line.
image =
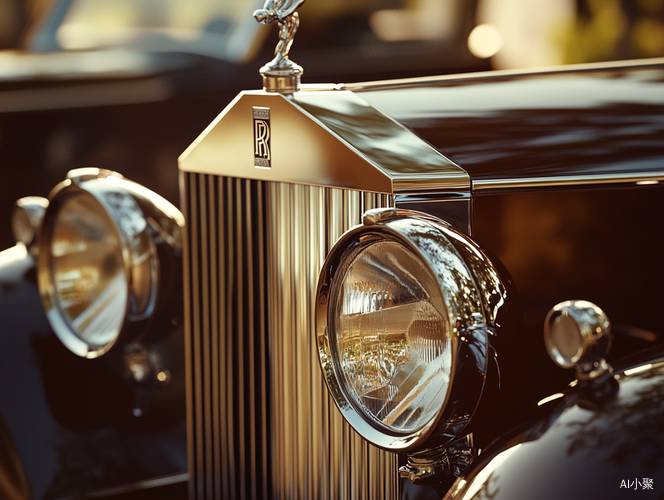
[281,74]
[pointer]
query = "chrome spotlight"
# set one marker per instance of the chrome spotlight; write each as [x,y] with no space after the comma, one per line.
[577,334]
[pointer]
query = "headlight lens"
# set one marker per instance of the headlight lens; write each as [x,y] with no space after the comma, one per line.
[392,336]
[89,277]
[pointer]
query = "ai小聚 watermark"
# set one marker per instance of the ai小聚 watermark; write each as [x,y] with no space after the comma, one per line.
[644,484]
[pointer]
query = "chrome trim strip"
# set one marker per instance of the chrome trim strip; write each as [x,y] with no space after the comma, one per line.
[507,74]
[570,180]
[262,424]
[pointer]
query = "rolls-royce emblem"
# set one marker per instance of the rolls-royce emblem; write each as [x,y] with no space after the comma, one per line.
[281,74]
[262,156]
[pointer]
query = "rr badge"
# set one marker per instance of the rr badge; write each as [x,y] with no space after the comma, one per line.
[262,157]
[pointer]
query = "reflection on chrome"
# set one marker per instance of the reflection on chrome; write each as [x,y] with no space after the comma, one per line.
[26,219]
[638,369]
[550,398]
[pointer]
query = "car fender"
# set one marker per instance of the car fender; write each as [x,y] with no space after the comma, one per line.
[590,441]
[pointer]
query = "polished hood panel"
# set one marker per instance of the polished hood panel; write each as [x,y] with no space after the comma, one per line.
[590,124]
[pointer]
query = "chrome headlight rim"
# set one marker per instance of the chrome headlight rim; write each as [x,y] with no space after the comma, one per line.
[130,228]
[465,385]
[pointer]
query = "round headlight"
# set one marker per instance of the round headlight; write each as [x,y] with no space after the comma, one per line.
[403,329]
[98,269]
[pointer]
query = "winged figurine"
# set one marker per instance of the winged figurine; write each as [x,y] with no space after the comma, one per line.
[284,13]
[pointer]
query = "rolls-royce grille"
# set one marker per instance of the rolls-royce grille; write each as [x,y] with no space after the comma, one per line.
[261,422]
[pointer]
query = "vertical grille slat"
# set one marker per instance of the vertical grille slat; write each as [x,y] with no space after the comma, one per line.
[222,440]
[238,354]
[250,340]
[215,388]
[229,472]
[205,338]
[262,292]
[262,424]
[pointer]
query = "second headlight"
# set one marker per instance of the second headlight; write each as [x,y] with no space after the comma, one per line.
[98,264]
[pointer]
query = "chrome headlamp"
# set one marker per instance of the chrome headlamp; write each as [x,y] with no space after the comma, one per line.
[98,265]
[402,328]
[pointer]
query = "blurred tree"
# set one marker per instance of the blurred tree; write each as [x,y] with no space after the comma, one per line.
[606,30]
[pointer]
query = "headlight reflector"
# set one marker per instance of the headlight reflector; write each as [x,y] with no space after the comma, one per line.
[89,277]
[392,336]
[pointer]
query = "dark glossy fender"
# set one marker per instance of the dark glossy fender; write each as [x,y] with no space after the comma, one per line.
[594,441]
[70,420]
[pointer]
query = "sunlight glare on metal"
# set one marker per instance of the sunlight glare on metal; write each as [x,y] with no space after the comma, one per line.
[638,369]
[550,398]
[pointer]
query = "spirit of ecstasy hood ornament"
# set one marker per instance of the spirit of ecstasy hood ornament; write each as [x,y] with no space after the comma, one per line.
[281,74]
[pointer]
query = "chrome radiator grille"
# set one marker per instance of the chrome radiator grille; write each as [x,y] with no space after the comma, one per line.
[261,422]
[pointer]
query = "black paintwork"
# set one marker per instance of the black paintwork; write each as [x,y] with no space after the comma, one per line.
[599,440]
[601,245]
[70,418]
[568,122]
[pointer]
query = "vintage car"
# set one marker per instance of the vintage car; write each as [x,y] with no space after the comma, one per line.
[408,289]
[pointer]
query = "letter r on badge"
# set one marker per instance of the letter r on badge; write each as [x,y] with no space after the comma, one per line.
[262,135]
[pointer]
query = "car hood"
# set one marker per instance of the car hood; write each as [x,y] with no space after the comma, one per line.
[575,125]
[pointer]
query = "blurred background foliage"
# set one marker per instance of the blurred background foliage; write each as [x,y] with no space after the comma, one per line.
[611,29]
[528,33]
